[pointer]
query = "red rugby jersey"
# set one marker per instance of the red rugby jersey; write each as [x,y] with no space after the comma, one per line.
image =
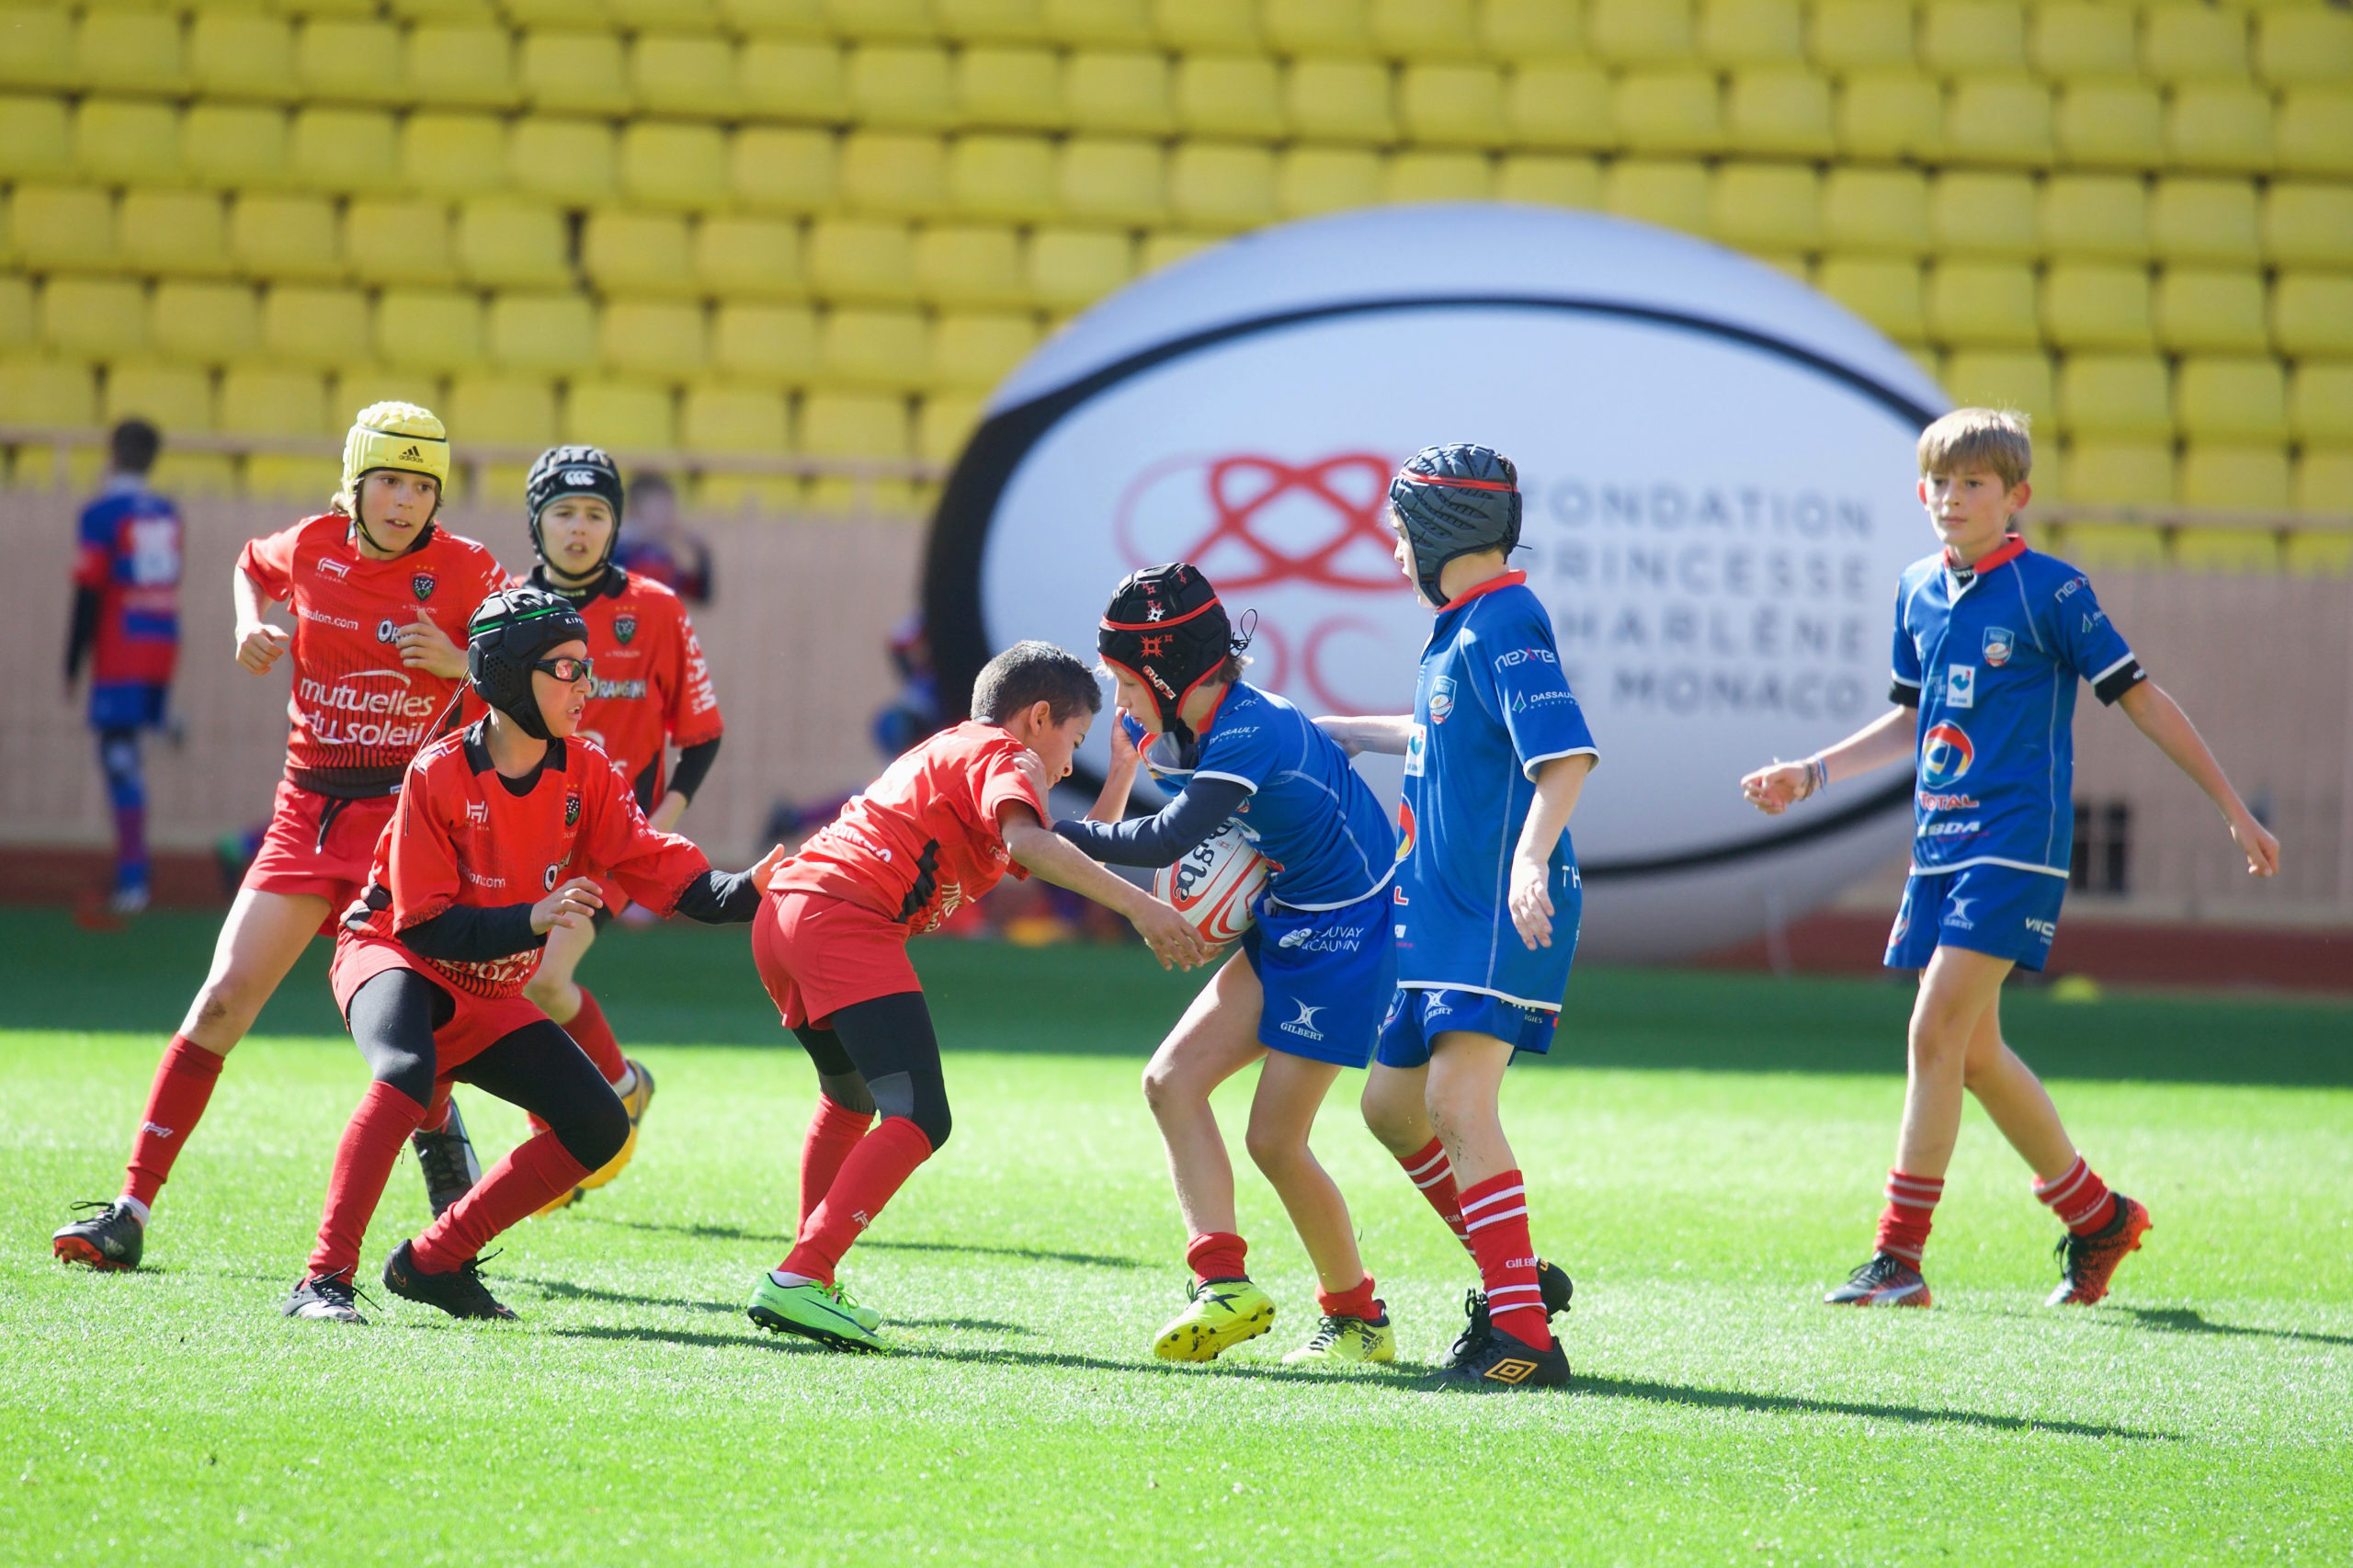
[461,835]
[922,840]
[653,687]
[357,714]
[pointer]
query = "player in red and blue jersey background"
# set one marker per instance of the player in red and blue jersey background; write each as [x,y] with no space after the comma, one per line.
[1991,638]
[127,626]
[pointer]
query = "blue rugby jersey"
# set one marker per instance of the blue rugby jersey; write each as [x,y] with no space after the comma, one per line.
[1491,707]
[1990,657]
[1308,810]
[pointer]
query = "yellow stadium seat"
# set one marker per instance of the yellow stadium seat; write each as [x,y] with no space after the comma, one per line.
[2192,43]
[2324,483]
[2316,131]
[2018,378]
[775,170]
[302,482]
[2313,313]
[1959,36]
[241,54]
[733,419]
[428,329]
[1013,89]
[990,21]
[1216,186]
[348,59]
[2299,46]
[204,323]
[506,243]
[798,78]
[1850,35]
[1893,113]
[1187,25]
[873,346]
[462,67]
[682,73]
[621,415]
[1309,181]
[32,137]
[2090,304]
[767,343]
[1450,105]
[2003,120]
[1560,104]
[1981,303]
[1168,248]
[1882,211]
[1883,290]
[397,242]
[173,231]
[866,259]
[2211,309]
[1668,112]
[1667,191]
[975,352]
[2321,406]
[1424,29]
[1413,176]
[322,327]
[237,146]
[140,52]
[969,264]
[2117,396]
[554,333]
[748,257]
[40,47]
[944,423]
[564,160]
[1640,32]
[2232,398]
[2216,551]
[2067,39]
[1012,177]
[1347,100]
[1072,269]
[894,172]
[1549,179]
[880,19]
[1782,109]
[1771,207]
[2318,553]
[2218,125]
[284,236]
[48,392]
[901,85]
[1315,27]
[1229,95]
[503,410]
[173,398]
[260,401]
[346,150]
[68,226]
[641,17]
[118,140]
[1124,90]
[2110,125]
[2098,217]
[2200,219]
[1530,30]
[854,425]
[1108,23]
[636,253]
[1751,32]
[453,154]
[2117,473]
[573,73]
[2308,224]
[16,333]
[101,317]
[1106,180]
[652,337]
[664,164]
[2245,478]
[1972,214]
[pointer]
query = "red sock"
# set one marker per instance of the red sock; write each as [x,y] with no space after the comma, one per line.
[363,1163]
[592,1034]
[175,1102]
[1904,1224]
[833,1133]
[437,1113]
[1495,1214]
[1217,1255]
[878,1167]
[1355,1304]
[2079,1198]
[518,1187]
[1429,1170]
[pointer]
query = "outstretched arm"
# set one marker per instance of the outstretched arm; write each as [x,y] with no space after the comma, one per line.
[2160,718]
[1378,733]
[1884,740]
[1170,937]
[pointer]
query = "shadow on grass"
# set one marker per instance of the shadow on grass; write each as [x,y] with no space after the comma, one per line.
[2187,1319]
[564,1290]
[705,1232]
[1794,1404]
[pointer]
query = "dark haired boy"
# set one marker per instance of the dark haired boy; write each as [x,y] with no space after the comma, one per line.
[938,830]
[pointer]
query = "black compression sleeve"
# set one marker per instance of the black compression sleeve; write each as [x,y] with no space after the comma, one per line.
[84,633]
[694,766]
[1160,840]
[720,898]
[1902,694]
[465,934]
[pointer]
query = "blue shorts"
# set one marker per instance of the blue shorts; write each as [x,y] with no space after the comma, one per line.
[127,705]
[1326,974]
[1416,1017]
[1996,910]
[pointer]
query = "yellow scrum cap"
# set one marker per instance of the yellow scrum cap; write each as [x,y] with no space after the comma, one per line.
[392,434]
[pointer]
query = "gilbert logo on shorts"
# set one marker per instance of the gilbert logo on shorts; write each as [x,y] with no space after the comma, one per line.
[1303,1026]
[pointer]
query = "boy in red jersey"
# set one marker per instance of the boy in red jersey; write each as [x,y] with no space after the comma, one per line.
[373,673]
[938,830]
[651,691]
[466,883]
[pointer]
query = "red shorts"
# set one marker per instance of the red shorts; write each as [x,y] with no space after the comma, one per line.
[479,1023]
[296,857]
[818,954]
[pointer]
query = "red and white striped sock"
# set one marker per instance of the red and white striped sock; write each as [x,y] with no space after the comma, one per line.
[1432,1174]
[1495,1212]
[2079,1198]
[1911,1207]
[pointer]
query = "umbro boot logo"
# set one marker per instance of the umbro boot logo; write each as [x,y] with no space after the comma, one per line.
[1511,1370]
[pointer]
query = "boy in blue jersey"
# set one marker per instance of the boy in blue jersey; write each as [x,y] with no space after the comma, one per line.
[1305,993]
[1487,897]
[1990,641]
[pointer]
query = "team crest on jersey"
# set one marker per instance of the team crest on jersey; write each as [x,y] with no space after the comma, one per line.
[572,809]
[424,584]
[625,628]
[1442,700]
[1999,645]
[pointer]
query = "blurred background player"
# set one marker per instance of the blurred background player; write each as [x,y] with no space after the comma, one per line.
[374,673]
[1488,902]
[126,624]
[941,826]
[656,545]
[430,966]
[652,692]
[1990,641]
[1305,995]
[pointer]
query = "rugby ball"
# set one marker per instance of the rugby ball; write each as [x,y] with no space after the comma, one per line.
[1214,884]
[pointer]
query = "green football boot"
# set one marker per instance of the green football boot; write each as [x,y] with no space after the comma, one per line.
[1222,1315]
[814,1311]
[1344,1342]
[868,1318]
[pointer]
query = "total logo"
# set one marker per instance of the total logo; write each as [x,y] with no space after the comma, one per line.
[1303,1026]
[1945,752]
[1405,838]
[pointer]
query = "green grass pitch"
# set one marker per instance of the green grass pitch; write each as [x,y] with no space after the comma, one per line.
[1703,1156]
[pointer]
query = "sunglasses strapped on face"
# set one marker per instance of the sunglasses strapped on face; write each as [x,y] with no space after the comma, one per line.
[567,669]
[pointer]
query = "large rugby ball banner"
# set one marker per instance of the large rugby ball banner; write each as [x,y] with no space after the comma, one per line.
[1718,465]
